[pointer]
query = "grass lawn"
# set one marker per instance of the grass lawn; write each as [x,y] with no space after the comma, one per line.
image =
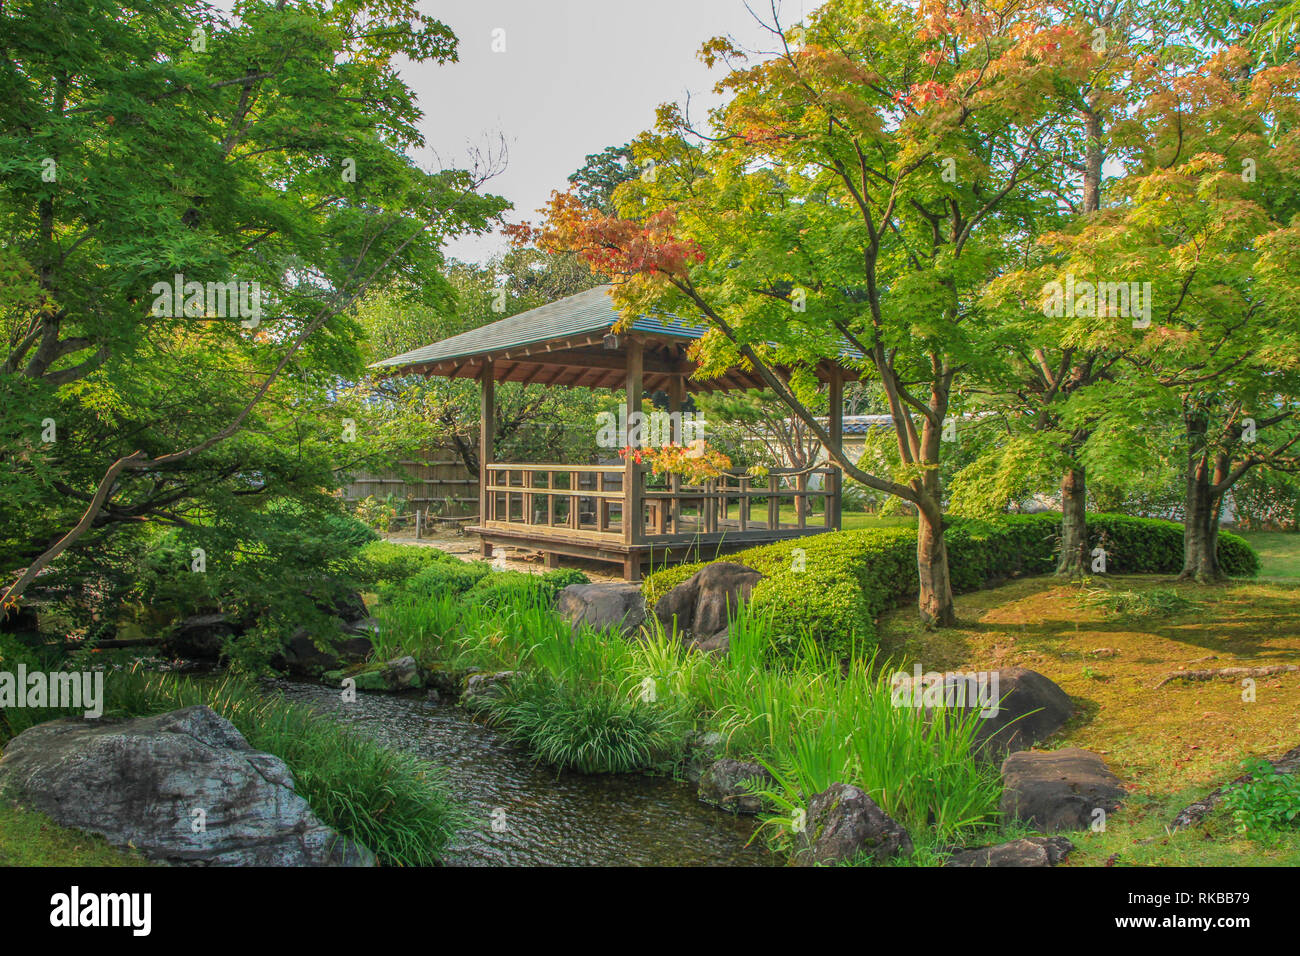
[1170,745]
[1279,553]
[32,839]
[859,519]
[853,519]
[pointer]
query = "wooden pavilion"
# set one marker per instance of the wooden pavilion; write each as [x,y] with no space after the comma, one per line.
[620,512]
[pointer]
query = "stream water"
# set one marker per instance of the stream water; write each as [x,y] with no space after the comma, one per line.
[525,814]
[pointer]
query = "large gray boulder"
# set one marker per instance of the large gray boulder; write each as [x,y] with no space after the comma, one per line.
[701,751]
[1030,851]
[844,822]
[603,606]
[1032,708]
[1058,790]
[726,784]
[404,673]
[1018,710]
[700,605]
[153,782]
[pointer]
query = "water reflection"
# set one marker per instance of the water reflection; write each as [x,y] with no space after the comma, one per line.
[529,815]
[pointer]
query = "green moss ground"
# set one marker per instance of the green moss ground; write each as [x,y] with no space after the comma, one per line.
[32,839]
[1170,745]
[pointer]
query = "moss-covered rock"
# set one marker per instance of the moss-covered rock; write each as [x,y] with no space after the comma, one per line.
[395,676]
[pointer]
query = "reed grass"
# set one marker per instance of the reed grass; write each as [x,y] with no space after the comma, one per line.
[595,702]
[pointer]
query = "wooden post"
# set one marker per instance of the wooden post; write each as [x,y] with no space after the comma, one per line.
[575,518]
[676,398]
[801,500]
[633,509]
[834,512]
[602,504]
[744,503]
[486,441]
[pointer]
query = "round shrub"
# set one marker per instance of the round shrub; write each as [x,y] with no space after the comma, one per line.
[1155,546]
[508,587]
[560,578]
[447,577]
[394,564]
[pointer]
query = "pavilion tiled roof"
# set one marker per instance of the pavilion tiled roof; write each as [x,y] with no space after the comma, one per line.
[562,343]
[573,316]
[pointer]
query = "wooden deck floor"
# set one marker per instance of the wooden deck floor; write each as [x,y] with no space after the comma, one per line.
[610,545]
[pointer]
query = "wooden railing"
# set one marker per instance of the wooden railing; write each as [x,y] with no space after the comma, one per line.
[739,503]
[575,498]
[592,502]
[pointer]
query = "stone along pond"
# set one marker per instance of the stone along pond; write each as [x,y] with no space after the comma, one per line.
[526,814]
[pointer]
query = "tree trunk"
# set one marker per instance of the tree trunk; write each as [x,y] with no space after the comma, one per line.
[1094,158]
[1200,511]
[1074,483]
[1201,532]
[1201,542]
[935,598]
[1074,524]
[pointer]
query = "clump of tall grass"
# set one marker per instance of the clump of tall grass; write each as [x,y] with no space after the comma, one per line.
[570,703]
[448,629]
[584,728]
[434,630]
[387,800]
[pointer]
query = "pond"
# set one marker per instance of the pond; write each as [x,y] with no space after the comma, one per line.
[526,814]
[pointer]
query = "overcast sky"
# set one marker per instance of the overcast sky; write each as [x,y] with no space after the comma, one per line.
[576,76]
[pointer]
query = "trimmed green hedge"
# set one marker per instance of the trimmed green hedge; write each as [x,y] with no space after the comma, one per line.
[850,577]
